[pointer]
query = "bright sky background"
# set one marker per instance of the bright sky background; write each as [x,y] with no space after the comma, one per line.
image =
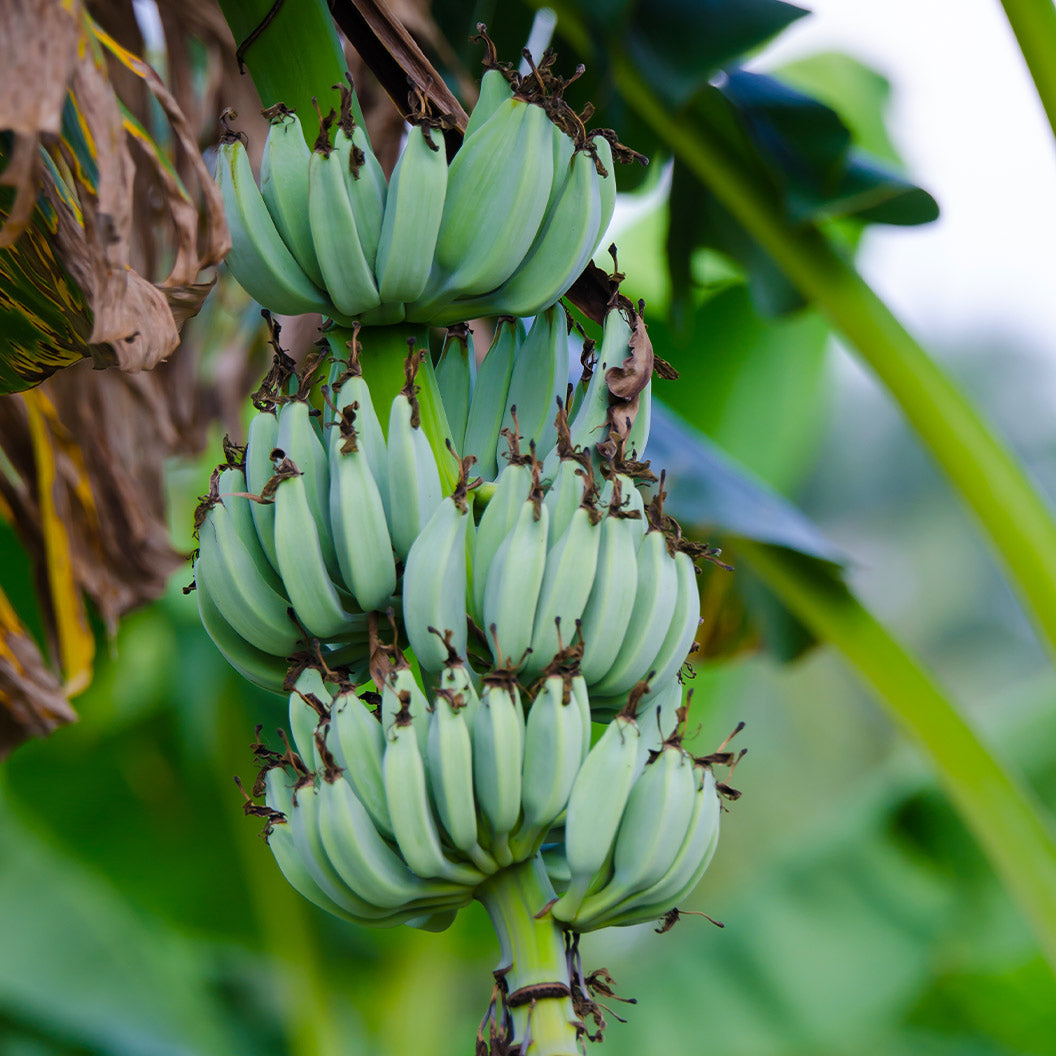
[970,128]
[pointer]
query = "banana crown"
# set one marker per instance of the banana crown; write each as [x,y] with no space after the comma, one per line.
[326,232]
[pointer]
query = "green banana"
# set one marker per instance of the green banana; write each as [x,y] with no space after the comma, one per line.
[514,578]
[262,669]
[401,695]
[564,496]
[498,750]
[284,188]
[262,440]
[247,600]
[413,208]
[607,614]
[504,173]
[554,750]
[259,259]
[540,373]
[412,816]
[684,623]
[566,241]
[434,585]
[348,273]
[595,808]
[301,562]
[353,389]
[566,587]
[413,477]
[494,91]
[283,846]
[607,187]
[455,374]
[449,753]
[304,718]
[359,746]
[363,859]
[357,514]
[298,440]
[654,827]
[685,872]
[488,405]
[656,594]
[504,507]
[365,183]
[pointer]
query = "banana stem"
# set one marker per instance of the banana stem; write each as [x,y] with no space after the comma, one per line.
[533,955]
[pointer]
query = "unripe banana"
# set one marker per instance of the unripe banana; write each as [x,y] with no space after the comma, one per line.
[309,699]
[607,187]
[458,678]
[283,846]
[414,480]
[654,827]
[348,273]
[494,91]
[595,808]
[638,437]
[564,496]
[259,259]
[299,441]
[489,397]
[434,585]
[504,173]
[412,816]
[366,863]
[684,623]
[284,188]
[247,599]
[262,440]
[658,718]
[685,872]
[607,614]
[353,389]
[514,578]
[553,753]
[656,594]
[262,669]
[413,208]
[540,373]
[401,695]
[511,490]
[360,528]
[364,182]
[498,748]
[300,556]
[567,583]
[566,241]
[358,745]
[455,374]
[450,757]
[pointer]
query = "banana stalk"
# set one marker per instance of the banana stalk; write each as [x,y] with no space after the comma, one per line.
[533,958]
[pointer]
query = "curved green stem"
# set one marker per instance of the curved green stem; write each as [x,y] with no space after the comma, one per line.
[1034,24]
[1004,817]
[295,57]
[533,955]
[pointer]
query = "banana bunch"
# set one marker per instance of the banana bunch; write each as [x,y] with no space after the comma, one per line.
[505,228]
[641,826]
[301,533]
[398,813]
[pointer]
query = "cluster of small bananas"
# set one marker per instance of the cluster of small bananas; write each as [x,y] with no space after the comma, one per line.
[326,233]
[400,820]
[327,525]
